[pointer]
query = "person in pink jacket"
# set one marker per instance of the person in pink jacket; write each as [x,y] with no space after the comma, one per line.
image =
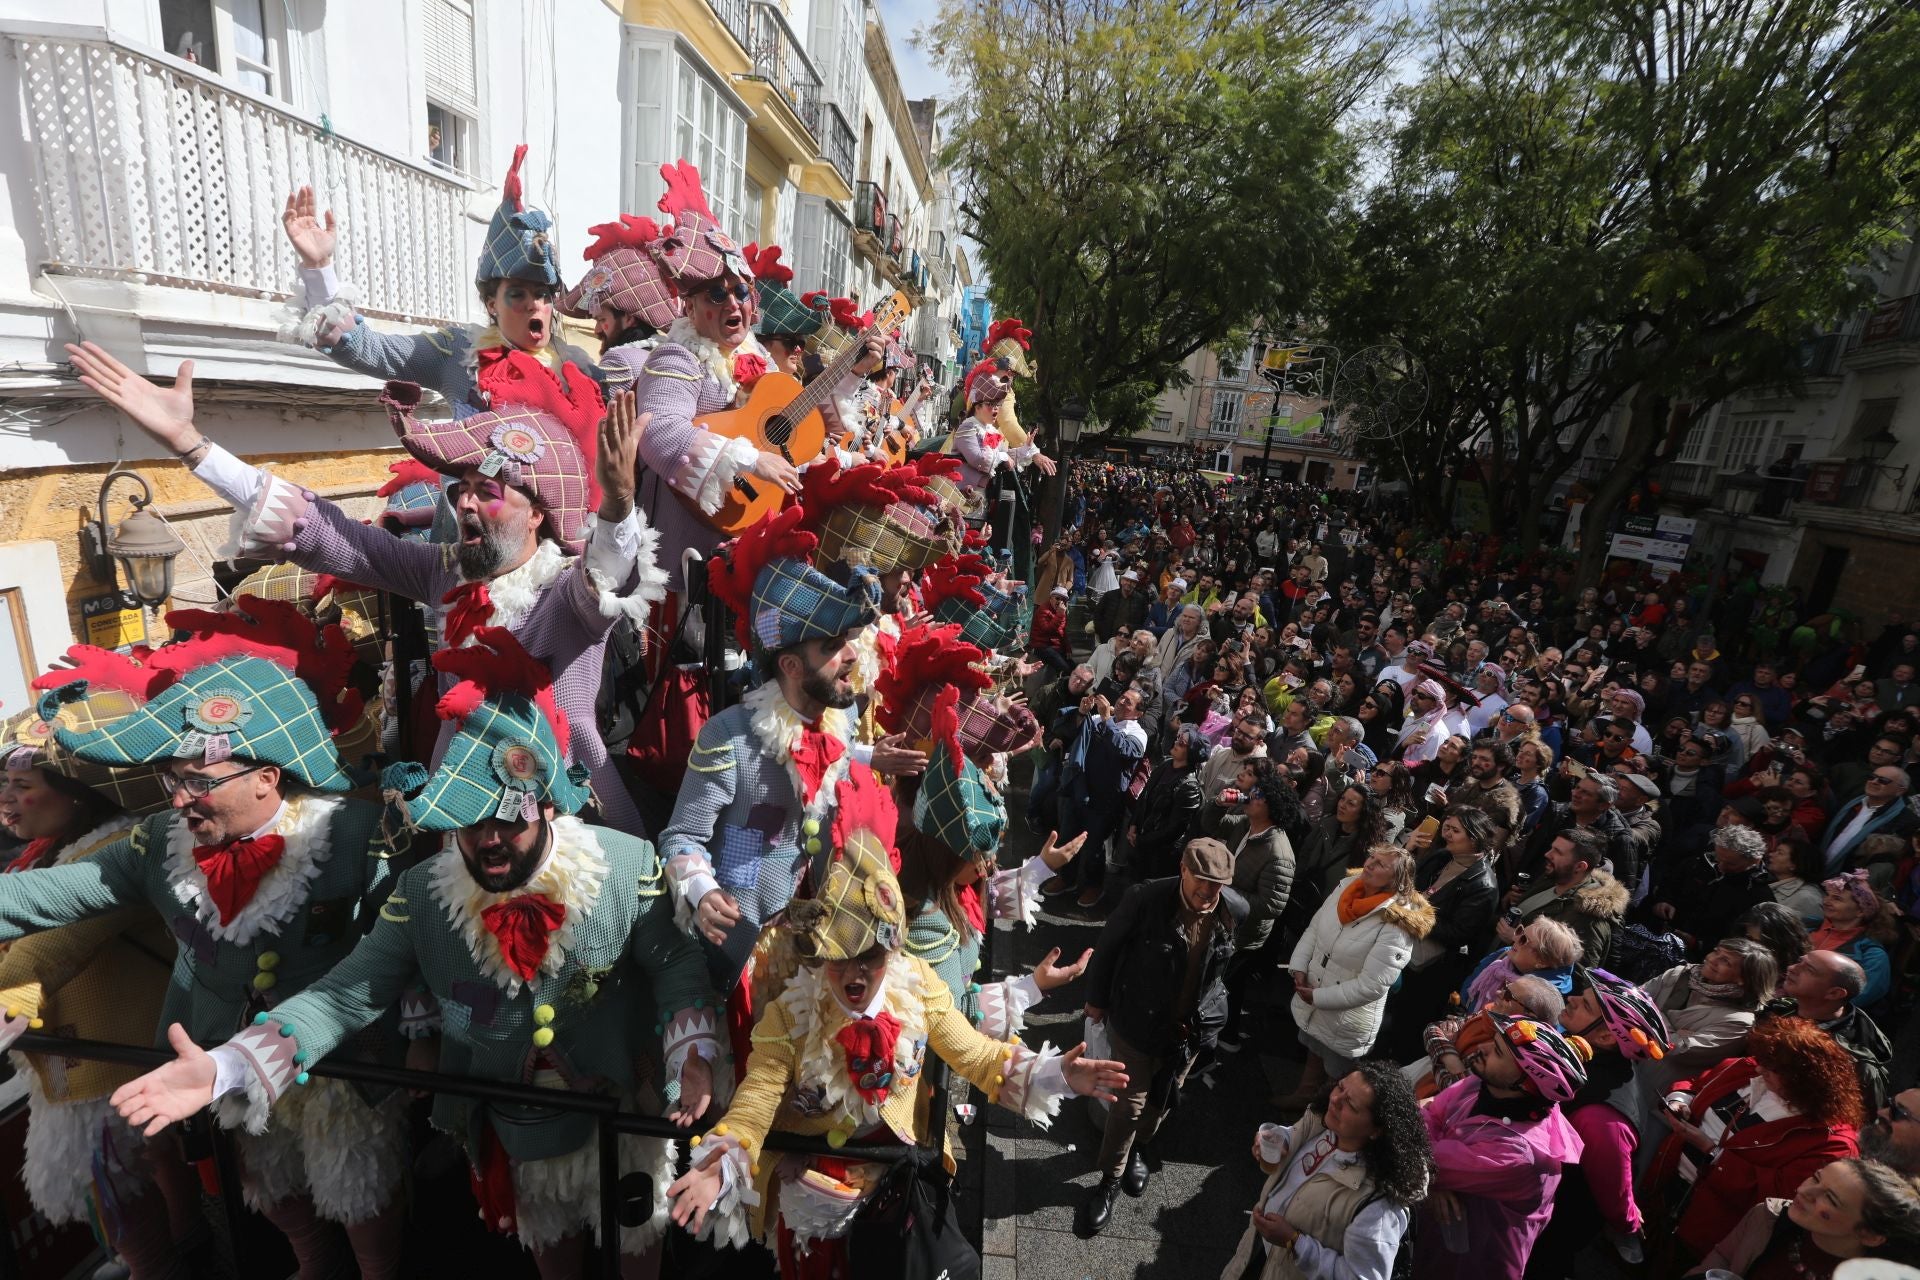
[1499,1142]
[1623,1025]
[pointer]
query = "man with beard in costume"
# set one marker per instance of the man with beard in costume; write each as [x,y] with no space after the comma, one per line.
[543,549]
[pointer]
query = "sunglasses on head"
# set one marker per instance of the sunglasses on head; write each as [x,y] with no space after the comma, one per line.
[720,291]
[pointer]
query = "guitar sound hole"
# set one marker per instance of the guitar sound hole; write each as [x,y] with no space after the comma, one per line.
[779,429]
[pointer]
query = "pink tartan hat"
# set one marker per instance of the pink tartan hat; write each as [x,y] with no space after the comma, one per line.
[624,275]
[529,447]
[693,249]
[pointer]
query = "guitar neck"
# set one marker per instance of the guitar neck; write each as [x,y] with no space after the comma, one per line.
[816,392]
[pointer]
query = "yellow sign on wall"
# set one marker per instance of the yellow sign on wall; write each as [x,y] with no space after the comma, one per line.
[113,621]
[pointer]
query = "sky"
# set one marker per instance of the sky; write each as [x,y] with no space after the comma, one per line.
[919,78]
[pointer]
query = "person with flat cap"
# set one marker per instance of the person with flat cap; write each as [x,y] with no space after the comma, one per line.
[1159,1018]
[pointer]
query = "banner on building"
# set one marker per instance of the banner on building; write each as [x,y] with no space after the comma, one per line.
[1662,544]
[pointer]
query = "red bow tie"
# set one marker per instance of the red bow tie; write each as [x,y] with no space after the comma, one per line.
[234,870]
[869,1044]
[524,928]
[813,754]
[472,609]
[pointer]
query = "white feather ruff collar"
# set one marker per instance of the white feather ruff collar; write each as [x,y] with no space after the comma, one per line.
[820,1060]
[777,726]
[304,824]
[515,592]
[715,359]
[571,874]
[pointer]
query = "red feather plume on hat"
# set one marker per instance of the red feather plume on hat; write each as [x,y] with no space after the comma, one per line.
[731,572]
[497,663]
[109,669]
[511,377]
[926,655]
[510,185]
[846,314]
[280,632]
[826,486]
[952,577]
[767,266]
[933,466]
[632,231]
[405,472]
[684,193]
[1008,330]
[945,726]
[978,371]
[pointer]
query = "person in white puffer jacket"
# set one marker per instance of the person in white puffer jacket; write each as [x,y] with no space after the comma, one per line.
[1347,961]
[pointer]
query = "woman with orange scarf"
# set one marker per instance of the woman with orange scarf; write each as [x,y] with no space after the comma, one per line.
[1348,960]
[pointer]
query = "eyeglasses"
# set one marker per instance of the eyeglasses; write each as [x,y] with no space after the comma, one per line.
[198,787]
[1883,781]
[1900,1113]
[720,291]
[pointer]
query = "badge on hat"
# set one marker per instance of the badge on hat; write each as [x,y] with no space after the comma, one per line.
[512,443]
[517,765]
[213,720]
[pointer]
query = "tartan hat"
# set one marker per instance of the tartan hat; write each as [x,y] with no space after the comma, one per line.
[545,447]
[779,598]
[956,807]
[874,515]
[782,315]
[519,244]
[693,250]
[413,495]
[859,905]
[29,741]
[509,754]
[1010,340]
[260,683]
[624,275]
[956,590]
[988,382]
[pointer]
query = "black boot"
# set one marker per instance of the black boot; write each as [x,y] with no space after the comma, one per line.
[1134,1180]
[1091,1218]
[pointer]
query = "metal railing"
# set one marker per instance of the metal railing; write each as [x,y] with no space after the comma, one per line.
[737,17]
[870,209]
[1894,320]
[612,1121]
[150,169]
[896,238]
[780,60]
[833,133]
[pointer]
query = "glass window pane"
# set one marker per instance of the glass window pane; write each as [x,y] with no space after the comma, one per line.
[186,30]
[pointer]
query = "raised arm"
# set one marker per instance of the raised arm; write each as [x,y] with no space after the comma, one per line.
[33,901]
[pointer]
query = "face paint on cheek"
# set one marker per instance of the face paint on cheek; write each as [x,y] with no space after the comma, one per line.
[494,508]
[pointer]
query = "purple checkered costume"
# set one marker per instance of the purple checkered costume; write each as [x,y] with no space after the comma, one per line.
[565,626]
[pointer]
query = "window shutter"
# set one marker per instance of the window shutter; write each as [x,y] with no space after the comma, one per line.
[449,52]
[809,225]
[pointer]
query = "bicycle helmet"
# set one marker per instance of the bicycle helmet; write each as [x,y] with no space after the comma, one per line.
[1638,1027]
[1555,1065]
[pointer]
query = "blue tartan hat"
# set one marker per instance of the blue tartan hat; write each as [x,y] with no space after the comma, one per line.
[506,758]
[248,708]
[519,240]
[956,807]
[794,602]
[991,625]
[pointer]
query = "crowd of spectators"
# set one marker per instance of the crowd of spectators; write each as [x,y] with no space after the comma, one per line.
[1591,910]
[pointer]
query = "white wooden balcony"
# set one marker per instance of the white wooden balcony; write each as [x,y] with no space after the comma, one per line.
[150,170]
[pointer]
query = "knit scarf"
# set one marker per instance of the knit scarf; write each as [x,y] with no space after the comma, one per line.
[1355,901]
[1726,992]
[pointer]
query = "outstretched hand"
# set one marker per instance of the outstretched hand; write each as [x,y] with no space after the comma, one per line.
[313,238]
[169,1094]
[1093,1077]
[696,1091]
[693,1193]
[1057,855]
[620,433]
[1050,973]
[164,413]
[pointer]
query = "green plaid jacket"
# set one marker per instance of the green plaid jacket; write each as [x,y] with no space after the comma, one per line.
[629,971]
[217,986]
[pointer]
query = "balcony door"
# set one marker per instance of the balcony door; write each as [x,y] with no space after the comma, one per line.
[243,41]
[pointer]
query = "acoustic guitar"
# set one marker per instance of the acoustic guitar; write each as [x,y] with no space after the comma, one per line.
[782,416]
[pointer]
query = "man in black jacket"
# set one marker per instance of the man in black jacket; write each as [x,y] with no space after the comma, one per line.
[1821,987]
[1157,982]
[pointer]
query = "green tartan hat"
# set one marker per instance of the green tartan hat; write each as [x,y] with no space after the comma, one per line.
[509,755]
[956,807]
[244,707]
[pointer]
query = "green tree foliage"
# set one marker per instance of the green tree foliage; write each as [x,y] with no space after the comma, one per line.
[1143,177]
[1591,206]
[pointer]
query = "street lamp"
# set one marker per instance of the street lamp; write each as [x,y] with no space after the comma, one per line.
[1878,447]
[1067,421]
[1739,491]
[1072,416]
[143,545]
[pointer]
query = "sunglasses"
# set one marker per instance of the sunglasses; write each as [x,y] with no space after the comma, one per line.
[1900,1113]
[720,291]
